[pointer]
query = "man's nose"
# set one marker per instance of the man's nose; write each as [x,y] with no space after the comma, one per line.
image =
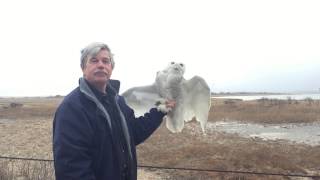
[100,64]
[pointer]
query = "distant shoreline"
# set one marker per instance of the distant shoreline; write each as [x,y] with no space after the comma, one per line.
[39,97]
[246,94]
[257,93]
[213,94]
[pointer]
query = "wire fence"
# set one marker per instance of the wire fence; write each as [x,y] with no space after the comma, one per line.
[187,169]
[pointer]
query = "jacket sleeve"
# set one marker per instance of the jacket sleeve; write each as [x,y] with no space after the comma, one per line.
[143,126]
[72,137]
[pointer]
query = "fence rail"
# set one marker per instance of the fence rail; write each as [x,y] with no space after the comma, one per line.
[186,169]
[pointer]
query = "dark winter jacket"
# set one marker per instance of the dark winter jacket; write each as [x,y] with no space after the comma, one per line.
[86,139]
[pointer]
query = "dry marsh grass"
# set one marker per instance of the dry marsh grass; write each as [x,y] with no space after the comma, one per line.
[226,152]
[26,170]
[265,111]
[28,108]
[27,129]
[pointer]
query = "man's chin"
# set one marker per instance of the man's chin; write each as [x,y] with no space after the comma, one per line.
[101,77]
[101,80]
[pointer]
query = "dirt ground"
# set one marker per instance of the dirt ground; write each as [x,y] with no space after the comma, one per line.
[26,131]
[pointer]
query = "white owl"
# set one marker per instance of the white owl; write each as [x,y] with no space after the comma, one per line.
[192,97]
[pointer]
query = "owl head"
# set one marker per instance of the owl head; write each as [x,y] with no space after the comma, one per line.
[176,68]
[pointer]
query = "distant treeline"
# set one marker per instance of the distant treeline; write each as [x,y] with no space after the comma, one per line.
[244,93]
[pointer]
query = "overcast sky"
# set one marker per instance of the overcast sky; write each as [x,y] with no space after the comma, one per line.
[271,46]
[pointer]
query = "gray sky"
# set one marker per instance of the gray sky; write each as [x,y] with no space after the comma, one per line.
[235,45]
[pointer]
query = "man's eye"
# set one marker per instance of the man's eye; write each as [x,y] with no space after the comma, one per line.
[93,60]
[107,61]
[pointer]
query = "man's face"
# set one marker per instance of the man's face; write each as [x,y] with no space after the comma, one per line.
[98,69]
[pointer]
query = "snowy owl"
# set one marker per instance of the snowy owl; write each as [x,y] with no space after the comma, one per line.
[192,97]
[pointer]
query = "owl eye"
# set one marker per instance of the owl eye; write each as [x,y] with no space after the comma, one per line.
[172,62]
[181,64]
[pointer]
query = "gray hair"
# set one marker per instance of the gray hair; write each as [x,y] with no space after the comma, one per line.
[92,50]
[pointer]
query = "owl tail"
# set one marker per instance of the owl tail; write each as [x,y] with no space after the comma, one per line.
[174,124]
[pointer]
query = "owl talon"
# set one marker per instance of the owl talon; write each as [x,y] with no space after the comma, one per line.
[161,106]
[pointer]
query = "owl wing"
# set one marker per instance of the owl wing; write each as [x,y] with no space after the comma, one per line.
[141,99]
[196,100]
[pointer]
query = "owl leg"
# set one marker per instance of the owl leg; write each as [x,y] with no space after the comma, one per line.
[174,121]
[203,122]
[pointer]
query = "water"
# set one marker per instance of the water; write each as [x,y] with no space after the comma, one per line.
[282,96]
[296,133]
[5,121]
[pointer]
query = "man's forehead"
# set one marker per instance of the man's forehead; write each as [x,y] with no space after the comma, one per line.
[102,53]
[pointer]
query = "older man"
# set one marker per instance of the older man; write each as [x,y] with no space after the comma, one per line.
[94,131]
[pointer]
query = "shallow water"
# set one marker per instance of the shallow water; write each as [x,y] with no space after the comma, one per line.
[280,96]
[4,121]
[296,133]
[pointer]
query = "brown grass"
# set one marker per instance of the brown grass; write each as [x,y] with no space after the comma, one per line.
[226,152]
[30,108]
[266,111]
[25,170]
[28,128]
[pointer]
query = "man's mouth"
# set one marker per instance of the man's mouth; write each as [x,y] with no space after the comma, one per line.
[100,73]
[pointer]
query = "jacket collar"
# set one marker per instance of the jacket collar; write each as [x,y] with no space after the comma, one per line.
[110,91]
[86,90]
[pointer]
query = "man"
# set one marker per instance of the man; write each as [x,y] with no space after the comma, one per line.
[94,131]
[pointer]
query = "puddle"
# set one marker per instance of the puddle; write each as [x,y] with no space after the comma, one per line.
[5,121]
[298,133]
